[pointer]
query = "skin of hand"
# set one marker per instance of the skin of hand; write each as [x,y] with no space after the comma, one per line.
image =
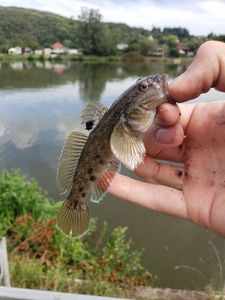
[192,135]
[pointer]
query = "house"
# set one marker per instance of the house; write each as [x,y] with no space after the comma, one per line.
[39,51]
[17,50]
[182,49]
[27,50]
[58,48]
[158,52]
[73,51]
[121,47]
[47,51]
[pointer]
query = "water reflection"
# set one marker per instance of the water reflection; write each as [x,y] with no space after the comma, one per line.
[40,107]
[92,77]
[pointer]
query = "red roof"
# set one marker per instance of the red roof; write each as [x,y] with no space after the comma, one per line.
[57,45]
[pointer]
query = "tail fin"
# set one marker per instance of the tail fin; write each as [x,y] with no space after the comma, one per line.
[73,221]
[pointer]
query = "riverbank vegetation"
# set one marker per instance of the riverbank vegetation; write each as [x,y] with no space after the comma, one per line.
[41,257]
[91,35]
[133,56]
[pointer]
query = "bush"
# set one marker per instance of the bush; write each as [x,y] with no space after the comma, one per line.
[133,56]
[20,196]
[30,57]
[110,261]
[42,257]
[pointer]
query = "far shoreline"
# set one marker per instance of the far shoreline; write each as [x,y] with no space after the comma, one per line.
[7,58]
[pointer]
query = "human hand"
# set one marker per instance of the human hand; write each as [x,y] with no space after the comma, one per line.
[194,190]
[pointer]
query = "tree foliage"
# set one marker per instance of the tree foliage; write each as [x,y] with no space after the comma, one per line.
[147,46]
[19,196]
[93,34]
[181,33]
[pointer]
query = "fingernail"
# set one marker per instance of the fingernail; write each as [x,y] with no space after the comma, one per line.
[164,135]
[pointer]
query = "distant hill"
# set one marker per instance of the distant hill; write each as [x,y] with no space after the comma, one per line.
[40,28]
[28,27]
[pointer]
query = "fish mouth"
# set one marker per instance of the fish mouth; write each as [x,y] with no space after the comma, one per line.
[163,81]
[165,88]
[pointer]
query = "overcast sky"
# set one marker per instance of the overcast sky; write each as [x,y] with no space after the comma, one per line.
[200,17]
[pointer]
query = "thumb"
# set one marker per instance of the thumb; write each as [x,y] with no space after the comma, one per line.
[165,132]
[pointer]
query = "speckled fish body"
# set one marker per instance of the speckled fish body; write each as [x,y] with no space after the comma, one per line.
[88,162]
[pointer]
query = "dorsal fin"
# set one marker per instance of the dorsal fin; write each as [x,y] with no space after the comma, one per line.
[69,158]
[100,186]
[92,114]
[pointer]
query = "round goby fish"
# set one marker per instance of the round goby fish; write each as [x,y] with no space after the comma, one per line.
[88,163]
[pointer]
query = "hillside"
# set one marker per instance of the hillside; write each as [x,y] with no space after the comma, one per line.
[36,28]
[39,28]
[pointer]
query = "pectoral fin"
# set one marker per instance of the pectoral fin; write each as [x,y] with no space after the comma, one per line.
[127,146]
[92,114]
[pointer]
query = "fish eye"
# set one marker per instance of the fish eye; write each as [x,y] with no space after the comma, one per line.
[143,86]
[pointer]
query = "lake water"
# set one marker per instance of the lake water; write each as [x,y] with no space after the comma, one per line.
[40,105]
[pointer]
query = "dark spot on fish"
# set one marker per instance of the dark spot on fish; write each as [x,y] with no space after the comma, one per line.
[96,156]
[83,194]
[134,94]
[90,170]
[101,161]
[212,182]
[81,189]
[89,125]
[187,166]
[179,173]
[92,178]
[180,147]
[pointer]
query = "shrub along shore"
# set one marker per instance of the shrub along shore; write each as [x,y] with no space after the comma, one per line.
[41,257]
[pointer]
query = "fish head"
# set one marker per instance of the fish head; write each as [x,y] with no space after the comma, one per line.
[152,90]
[147,94]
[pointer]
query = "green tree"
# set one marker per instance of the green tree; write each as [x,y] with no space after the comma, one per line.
[133,45]
[156,32]
[181,33]
[147,46]
[213,36]
[94,35]
[194,43]
[171,42]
